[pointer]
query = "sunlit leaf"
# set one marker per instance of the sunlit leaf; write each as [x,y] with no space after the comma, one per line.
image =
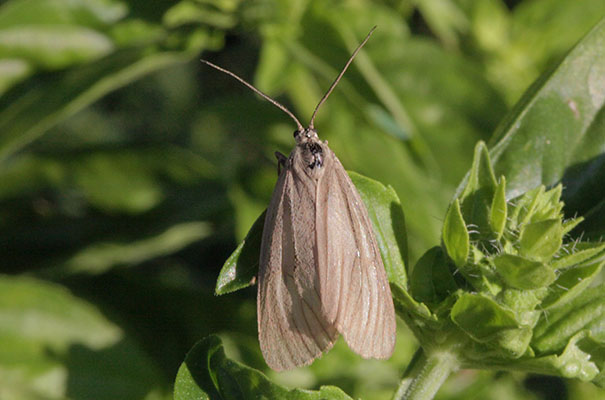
[100,257]
[455,235]
[523,273]
[92,13]
[498,209]
[481,317]
[584,312]
[53,47]
[555,125]
[540,240]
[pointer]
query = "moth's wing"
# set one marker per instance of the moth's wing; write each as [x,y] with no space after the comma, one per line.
[354,291]
[292,329]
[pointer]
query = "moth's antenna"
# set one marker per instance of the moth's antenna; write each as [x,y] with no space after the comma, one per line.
[339,76]
[255,90]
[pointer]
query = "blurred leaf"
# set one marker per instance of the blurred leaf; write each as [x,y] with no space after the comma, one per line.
[517,43]
[135,32]
[99,257]
[207,373]
[445,18]
[387,219]
[25,115]
[193,12]
[12,71]
[53,47]
[553,26]
[440,93]
[56,346]
[118,183]
[126,180]
[92,13]
[82,212]
[489,23]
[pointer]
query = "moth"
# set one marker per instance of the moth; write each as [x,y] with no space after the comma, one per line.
[320,271]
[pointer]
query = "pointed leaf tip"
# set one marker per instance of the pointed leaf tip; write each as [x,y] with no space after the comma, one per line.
[455,235]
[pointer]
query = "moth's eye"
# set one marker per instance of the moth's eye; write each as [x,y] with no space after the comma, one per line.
[296,133]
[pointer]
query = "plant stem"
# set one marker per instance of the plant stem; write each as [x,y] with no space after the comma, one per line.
[425,375]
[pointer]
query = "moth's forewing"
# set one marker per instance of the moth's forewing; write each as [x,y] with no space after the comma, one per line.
[292,328]
[354,289]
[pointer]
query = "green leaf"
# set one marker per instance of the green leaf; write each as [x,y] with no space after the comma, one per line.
[481,175]
[100,257]
[573,362]
[408,308]
[92,13]
[13,71]
[580,253]
[431,280]
[55,345]
[498,209]
[523,208]
[28,113]
[522,273]
[553,126]
[445,18]
[584,312]
[388,222]
[455,235]
[482,318]
[541,240]
[207,373]
[478,192]
[240,269]
[549,205]
[571,283]
[53,47]
[192,12]
[570,224]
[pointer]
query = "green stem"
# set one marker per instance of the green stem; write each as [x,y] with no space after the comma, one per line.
[425,375]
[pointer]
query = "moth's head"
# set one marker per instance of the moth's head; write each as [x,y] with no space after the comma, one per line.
[305,135]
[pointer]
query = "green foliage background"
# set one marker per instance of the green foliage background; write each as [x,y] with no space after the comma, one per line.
[129,171]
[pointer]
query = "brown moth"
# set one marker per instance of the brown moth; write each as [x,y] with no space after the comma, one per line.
[320,272]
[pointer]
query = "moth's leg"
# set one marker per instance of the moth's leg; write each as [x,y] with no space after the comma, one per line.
[281,161]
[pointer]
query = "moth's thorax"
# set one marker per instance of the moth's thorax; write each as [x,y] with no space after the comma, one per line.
[310,152]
